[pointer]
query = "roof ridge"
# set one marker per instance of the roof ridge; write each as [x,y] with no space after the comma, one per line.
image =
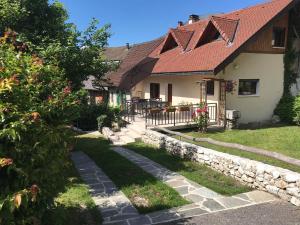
[267,2]
[224,18]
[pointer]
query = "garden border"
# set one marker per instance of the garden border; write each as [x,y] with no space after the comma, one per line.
[274,155]
[275,180]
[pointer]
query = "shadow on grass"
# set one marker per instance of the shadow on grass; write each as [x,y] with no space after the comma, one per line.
[145,192]
[73,205]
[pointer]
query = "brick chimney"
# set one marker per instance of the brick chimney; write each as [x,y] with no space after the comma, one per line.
[180,23]
[193,18]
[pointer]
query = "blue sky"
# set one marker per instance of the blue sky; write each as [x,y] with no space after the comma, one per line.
[136,21]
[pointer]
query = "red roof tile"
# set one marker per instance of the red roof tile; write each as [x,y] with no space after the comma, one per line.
[239,26]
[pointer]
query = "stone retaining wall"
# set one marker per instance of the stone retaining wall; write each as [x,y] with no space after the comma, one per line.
[281,182]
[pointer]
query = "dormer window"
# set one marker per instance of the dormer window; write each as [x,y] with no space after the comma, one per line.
[169,44]
[279,34]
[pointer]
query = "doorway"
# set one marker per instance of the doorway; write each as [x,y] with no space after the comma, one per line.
[170,94]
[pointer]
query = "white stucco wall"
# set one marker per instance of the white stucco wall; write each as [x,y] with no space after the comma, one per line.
[185,88]
[269,69]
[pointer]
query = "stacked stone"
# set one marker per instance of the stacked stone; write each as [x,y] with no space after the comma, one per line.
[278,181]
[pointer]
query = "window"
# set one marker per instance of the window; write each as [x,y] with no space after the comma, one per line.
[278,37]
[210,87]
[248,87]
[154,90]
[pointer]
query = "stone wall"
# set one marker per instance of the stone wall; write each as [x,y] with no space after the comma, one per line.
[281,182]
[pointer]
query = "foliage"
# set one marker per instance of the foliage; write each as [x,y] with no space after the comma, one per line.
[285,108]
[44,25]
[297,110]
[201,117]
[36,104]
[93,116]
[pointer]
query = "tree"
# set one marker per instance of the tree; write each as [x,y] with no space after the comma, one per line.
[36,104]
[45,26]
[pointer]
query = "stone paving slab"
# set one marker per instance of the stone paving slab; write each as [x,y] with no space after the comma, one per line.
[182,185]
[113,204]
[116,208]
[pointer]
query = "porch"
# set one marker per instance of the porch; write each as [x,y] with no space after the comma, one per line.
[173,104]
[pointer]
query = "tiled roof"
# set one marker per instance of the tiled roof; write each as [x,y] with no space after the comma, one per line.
[116,53]
[237,27]
[135,58]
[183,37]
[226,27]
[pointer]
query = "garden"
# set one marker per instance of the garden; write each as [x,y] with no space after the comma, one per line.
[43,62]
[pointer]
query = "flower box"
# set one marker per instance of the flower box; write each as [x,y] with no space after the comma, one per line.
[171,109]
[155,110]
[184,108]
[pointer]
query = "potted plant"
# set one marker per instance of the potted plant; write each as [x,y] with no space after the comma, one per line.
[170,109]
[184,107]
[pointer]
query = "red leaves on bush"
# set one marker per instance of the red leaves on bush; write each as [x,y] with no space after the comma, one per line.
[35,116]
[5,162]
[67,90]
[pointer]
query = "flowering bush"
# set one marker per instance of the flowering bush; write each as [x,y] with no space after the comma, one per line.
[201,117]
[230,86]
[36,104]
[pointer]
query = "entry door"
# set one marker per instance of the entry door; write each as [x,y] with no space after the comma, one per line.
[170,93]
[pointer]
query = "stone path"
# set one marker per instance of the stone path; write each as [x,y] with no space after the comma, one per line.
[114,205]
[116,209]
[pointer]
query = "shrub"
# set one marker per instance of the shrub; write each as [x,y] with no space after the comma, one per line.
[285,109]
[201,117]
[297,110]
[93,117]
[88,116]
[36,104]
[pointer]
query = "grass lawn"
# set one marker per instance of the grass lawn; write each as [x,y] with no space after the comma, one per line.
[284,140]
[196,172]
[145,192]
[74,206]
[249,155]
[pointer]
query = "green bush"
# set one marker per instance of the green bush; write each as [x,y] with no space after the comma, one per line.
[285,109]
[88,116]
[36,105]
[93,117]
[297,110]
[288,109]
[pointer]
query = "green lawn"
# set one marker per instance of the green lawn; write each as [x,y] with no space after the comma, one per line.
[136,184]
[284,140]
[249,155]
[74,206]
[196,172]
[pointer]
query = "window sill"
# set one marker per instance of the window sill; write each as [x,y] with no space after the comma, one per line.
[246,96]
[278,47]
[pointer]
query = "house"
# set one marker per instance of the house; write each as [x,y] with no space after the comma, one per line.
[234,61]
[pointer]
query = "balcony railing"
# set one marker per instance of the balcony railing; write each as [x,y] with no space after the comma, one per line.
[157,113]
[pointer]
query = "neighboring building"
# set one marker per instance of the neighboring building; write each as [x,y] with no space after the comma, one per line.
[234,60]
[95,95]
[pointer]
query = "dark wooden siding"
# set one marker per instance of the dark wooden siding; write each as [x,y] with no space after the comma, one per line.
[263,42]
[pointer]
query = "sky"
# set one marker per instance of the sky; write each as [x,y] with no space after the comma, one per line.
[136,21]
